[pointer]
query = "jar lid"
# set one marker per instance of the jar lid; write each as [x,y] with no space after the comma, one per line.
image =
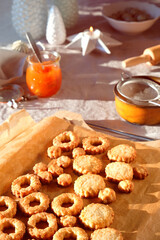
[139,91]
[11,92]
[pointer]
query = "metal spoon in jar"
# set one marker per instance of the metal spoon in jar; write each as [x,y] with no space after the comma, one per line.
[33,46]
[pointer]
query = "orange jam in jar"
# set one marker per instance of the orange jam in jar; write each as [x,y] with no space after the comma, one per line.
[44,78]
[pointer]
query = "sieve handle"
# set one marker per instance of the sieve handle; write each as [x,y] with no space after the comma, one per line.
[155,102]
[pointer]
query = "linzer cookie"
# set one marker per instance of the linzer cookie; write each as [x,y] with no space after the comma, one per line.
[107,195]
[11,207]
[122,153]
[96,215]
[41,170]
[89,185]
[68,221]
[70,233]
[78,152]
[87,164]
[95,145]
[19,191]
[64,161]
[64,198]
[18,226]
[64,180]
[126,186]
[54,152]
[67,141]
[40,198]
[118,171]
[42,233]
[140,172]
[106,233]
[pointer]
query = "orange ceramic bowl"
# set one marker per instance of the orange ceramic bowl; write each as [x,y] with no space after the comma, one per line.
[137,101]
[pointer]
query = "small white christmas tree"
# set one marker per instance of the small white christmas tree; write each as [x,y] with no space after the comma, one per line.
[68,10]
[55,31]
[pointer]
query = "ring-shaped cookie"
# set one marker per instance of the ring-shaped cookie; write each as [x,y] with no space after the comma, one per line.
[68,232]
[19,229]
[67,198]
[66,141]
[42,233]
[41,198]
[33,185]
[95,145]
[11,207]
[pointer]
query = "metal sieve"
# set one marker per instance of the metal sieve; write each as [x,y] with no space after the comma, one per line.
[139,91]
[11,91]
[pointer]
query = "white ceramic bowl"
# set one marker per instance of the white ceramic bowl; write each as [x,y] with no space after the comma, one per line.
[131,27]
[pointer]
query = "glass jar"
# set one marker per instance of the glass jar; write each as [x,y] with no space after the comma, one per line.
[44,78]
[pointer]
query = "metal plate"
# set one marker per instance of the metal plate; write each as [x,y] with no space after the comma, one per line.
[11,91]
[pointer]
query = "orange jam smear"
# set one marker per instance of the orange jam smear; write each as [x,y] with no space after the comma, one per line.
[44,79]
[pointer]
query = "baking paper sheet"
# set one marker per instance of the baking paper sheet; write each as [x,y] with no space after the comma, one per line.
[136,214]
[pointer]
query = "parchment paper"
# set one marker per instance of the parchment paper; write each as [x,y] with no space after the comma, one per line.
[136,214]
[14,126]
[19,155]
